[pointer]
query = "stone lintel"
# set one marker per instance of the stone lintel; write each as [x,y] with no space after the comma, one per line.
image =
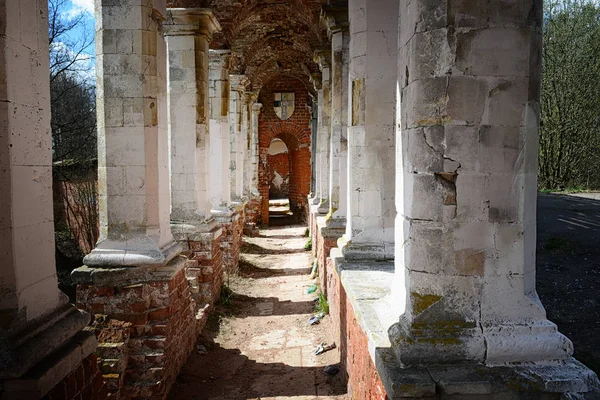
[131,251]
[119,277]
[191,21]
[23,348]
[44,376]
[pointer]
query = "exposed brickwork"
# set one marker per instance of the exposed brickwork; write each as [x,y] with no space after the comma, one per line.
[252,212]
[231,240]
[84,383]
[156,342]
[205,272]
[324,240]
[279,164]
[363,379]
[295,133]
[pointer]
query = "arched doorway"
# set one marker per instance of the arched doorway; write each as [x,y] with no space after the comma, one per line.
[278,172]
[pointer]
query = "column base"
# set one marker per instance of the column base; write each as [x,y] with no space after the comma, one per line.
[361,293]
[131,252]
[25,346]
[323,206]
[568,379]
[354,250]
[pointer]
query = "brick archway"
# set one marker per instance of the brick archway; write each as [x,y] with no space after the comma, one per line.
[295,133]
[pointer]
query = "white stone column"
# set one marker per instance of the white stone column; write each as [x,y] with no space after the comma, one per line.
[246,133]
[189,32]
[220,186]
[315,79]
[323,58]
[467,164]
[256,107]
[372,92]
[36,318]
[339,34]
[132,137]
[237,135]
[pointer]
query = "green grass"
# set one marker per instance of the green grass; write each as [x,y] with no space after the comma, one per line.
[308,245]
[226,298]
[555,243]
[322,306]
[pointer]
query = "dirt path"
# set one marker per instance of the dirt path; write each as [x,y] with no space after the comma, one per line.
[259,345]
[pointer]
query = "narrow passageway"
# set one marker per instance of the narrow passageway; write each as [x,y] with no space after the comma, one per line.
[257,343]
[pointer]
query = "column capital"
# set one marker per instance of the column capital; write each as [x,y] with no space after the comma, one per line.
[219,58]
[334,19]
[316,80]
[238,83]
[256,107]
[323,58]
[191,21]
[251,97]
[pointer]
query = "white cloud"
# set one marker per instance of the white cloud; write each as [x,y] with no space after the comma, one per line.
[82,7]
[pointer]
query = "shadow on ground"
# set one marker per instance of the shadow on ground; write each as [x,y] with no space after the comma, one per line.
[568,270]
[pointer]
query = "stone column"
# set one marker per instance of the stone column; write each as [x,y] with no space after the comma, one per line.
[256,107]
[315,79]
[246,145]
[339,34]
[189,33]
[219,127]
[237,134]
[132,138]
[323,58]
[467,164]
[36,318]
[372,92]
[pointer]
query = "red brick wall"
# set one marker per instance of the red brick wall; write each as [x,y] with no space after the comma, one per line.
[84,383]
[231,242]
[295,133]
[280,164]
[142,358]
[363,380]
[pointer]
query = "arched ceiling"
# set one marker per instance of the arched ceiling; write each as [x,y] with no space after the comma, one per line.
[267,37]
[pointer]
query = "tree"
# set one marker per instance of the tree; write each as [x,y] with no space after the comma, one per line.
[570,121]
[72,91]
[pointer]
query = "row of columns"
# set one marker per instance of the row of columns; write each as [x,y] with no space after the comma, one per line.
[426,153]
[204,115]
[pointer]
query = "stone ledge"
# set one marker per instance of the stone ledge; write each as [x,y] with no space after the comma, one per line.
[327,231]
[118,277]
[368,286]
[49,372]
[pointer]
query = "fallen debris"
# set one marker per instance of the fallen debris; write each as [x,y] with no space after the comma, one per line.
[322,348]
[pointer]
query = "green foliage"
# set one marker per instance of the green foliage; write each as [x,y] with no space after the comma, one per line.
[308,245]
[307,233]
[569,153]
[322,306]
[226,298]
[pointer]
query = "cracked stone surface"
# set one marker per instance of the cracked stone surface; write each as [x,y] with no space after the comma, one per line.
[259,344]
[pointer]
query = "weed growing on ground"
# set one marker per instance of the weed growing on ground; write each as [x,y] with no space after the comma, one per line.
[308,245]
[226,298]
[306,233]
[322,306]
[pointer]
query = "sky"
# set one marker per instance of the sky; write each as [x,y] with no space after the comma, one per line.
[85,9]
